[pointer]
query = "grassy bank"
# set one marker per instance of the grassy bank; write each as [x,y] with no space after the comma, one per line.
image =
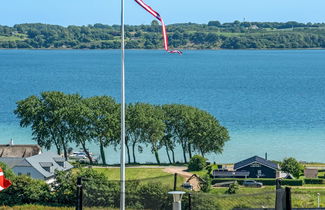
[144,175]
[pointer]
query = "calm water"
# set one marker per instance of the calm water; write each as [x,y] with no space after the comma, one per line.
[271,101]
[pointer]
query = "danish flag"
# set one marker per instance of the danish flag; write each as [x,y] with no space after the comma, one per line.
[4,183]
[158,17]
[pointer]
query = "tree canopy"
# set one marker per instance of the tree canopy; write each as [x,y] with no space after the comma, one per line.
[292,166]
[60,120]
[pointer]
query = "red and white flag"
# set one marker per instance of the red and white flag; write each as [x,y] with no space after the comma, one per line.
[158,17]
[4,183]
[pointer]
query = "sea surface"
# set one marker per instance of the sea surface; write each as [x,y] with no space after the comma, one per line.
[270,100]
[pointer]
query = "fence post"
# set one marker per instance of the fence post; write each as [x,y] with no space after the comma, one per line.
[278,183]
[189,201]
[175,181]
[288,198]
[79,194]
[280,201]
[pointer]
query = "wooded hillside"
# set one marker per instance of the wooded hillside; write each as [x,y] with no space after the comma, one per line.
[214,35]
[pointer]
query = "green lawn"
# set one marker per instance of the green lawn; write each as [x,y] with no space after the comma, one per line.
[265,197]
[9,38]
[144,175]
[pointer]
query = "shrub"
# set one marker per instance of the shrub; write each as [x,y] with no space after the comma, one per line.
[209,169]
[9,174]
[25,190]
[232,188]
[206,186]
[292,182]
[314,181]
[154,196]
[197,163]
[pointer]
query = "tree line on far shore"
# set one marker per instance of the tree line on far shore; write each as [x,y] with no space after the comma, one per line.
[58,120]
[214,35]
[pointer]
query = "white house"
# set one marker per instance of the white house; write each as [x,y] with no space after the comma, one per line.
[41,166]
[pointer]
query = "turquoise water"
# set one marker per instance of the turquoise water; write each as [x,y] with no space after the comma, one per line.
[270,100]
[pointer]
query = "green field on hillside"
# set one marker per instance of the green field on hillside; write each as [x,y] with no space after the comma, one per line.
[9,38]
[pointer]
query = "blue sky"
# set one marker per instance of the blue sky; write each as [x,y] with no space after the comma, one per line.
[83,12]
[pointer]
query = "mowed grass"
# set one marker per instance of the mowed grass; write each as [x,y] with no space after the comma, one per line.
[9,38]
[258,197]
[144,175]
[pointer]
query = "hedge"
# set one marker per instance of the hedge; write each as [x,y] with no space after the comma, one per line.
[315,181]
[270,182]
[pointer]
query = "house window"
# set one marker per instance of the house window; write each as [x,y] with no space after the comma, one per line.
[28,173]
[61,163]
[19,174]
[259,173]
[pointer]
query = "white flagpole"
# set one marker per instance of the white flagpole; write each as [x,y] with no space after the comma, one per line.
[122,167]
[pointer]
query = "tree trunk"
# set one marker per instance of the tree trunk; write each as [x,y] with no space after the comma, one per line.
[190,150]
[184,153]
[58,148]
[56,143]
[168,154]
[128,152]
[157,157]
[173,155]
[133,151]
[102,152]
[202,153]
[64,149]
[83,144]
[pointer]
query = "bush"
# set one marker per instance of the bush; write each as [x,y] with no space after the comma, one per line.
[25,190]
[209,169]
[314,181]
[232,188]
[154,196]
[206,186]
[292,182]
[9,174]
[98,190]
[197,163]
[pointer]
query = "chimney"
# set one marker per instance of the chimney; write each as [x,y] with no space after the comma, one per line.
[266,156]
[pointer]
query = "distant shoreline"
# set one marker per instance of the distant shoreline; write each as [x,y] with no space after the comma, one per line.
[216,49]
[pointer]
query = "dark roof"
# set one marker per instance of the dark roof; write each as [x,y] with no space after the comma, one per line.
[230,173]
[19,150]
[256,159]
